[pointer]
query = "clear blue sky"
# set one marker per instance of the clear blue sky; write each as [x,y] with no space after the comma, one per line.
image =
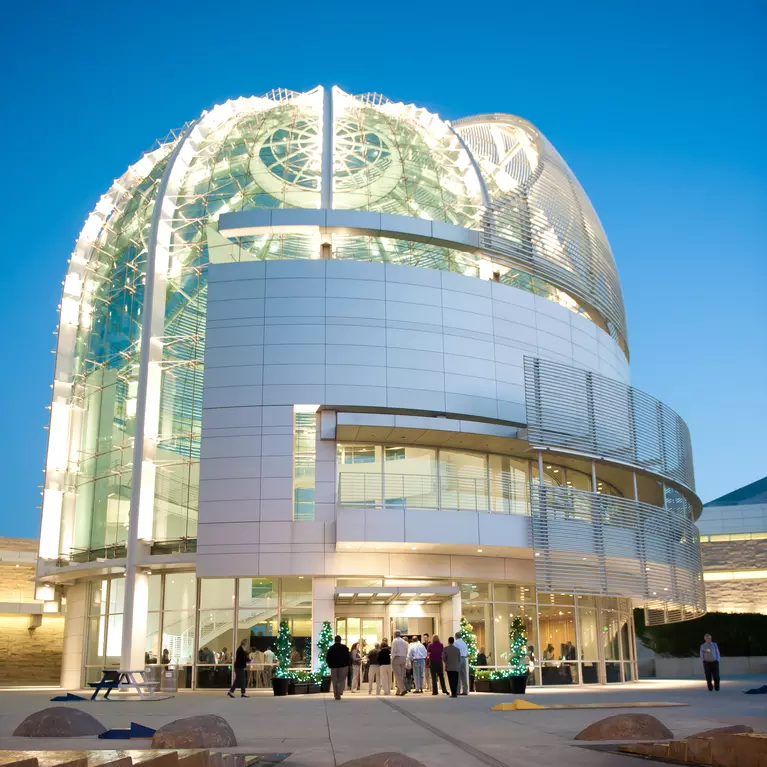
[659,108]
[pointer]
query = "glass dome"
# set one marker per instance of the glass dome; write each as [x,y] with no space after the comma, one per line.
[494,176]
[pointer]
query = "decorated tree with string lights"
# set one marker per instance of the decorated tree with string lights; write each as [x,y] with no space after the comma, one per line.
[323,644]
[284,648]
[518,648]
[466,632]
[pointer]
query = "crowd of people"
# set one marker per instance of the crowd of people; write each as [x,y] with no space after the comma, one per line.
[415,664]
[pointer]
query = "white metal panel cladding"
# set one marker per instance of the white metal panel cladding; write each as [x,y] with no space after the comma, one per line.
[586,543]
[590,414]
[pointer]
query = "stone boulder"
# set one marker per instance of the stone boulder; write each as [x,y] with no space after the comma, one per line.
[626,727]
[59,722]
[732,729]
[204,731]
[385,759]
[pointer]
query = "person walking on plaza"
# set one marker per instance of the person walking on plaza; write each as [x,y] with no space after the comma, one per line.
[710,657]
[337,658]
[398,661]
[374,669]
[416,654]
[464,650]
[384,668]
[427,676]
[451,657]
[435,665]
[240,670]
[356,660]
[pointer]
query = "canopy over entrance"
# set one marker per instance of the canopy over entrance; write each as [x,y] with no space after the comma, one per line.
[395,595]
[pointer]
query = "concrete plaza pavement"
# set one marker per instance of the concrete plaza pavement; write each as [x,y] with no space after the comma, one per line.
[319,731]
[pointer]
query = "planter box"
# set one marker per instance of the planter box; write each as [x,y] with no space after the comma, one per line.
[500,685]
[481,685]
[325,684]
[280,686]
[313,687]
[518,684]
[298,688]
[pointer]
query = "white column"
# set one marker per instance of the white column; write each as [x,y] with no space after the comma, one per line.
[450,617]
[75,630]
[326,188]
[323,609]
[138,623]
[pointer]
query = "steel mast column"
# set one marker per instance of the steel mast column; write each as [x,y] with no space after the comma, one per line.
[136,598]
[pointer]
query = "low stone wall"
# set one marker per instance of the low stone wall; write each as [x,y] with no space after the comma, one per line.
[691,668]
[30,657]
[27,656]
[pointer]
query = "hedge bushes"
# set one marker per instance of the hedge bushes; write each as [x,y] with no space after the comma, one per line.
[735,633]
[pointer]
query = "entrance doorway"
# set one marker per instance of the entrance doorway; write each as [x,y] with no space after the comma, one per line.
[408,627]
[367,631]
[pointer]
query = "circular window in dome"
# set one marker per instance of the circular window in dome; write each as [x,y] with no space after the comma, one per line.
[288,163]
[287,154]
[365,167]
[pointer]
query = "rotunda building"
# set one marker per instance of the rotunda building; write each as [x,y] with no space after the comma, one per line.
[327,358]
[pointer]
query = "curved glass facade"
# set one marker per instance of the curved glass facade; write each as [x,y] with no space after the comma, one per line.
[105,374]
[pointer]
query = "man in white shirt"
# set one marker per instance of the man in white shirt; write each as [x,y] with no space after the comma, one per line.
[398,661]
[269,659]
[416,654]
[464,675]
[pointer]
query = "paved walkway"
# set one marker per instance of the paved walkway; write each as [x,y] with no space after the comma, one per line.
[441,732]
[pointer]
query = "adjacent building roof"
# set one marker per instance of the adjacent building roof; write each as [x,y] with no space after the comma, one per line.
[752,494]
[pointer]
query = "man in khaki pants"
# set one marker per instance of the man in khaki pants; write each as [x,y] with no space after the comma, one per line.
[398,661]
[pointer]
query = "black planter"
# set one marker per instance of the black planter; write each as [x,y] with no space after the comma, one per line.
[481,685]
[518,684]
[313,687]
[298,688]
[500,685]
[471,682]
[280,686]
[325,684]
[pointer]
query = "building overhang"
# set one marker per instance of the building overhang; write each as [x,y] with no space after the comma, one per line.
[395,595]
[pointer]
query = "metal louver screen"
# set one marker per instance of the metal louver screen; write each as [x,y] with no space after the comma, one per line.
[588,543]
[596,416]
[586,269]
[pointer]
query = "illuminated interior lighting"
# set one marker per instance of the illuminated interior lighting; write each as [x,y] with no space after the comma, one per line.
[735,575]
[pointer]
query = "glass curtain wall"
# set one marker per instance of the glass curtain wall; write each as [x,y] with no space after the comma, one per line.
[105,625]
[105,380]
[195,626]
[304,461]
[571,639]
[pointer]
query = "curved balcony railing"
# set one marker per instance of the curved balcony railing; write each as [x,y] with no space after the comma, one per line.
[595,544]
[592,415]
[501,494]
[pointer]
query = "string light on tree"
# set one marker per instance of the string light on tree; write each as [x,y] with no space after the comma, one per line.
[467,634]
[284,647]
[518,648]
[323,644]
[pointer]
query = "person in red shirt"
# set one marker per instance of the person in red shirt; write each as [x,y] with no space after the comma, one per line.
[436,668]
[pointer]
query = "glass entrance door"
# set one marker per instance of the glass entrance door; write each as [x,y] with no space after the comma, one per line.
[368,631]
